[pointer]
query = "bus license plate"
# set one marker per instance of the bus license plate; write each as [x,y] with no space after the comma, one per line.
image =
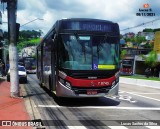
[91,92]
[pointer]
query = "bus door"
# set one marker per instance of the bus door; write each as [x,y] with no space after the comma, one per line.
[53,64]
[53,72]
[42,65]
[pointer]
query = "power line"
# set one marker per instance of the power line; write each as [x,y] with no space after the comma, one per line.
[141,24]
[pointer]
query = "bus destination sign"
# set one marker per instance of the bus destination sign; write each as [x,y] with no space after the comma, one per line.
[88,26]
[95,27]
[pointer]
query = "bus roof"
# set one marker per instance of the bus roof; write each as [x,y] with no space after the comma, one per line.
[85,19]
[85,24]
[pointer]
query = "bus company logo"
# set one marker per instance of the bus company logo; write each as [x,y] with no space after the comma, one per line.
[146,6]
[92,83]
[6,123]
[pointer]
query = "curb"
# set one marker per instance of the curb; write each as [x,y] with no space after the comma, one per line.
[140,82]
[30,105]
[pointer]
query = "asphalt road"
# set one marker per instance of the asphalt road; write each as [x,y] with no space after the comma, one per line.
[136,107]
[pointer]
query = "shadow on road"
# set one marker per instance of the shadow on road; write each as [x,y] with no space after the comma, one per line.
[102,101]
[77,102]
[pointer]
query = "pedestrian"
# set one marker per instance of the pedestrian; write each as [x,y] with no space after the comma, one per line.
[148,72]
[7,66]
[2,68]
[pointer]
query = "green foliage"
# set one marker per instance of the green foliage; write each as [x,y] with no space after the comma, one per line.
[151,60]
[148,45]
[139,39]
[136,39]
[151,30]
[129,39]
[25,43]
[28,34]
[142,77]
[123,54]
[28,38]
[148,30]
[158,29]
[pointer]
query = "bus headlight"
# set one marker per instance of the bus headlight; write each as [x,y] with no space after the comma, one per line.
[68,85]
[65,83]
[113,83]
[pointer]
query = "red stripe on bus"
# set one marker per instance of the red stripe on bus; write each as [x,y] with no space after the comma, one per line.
[90,83]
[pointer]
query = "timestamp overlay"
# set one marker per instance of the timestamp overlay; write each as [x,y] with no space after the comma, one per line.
[146,10]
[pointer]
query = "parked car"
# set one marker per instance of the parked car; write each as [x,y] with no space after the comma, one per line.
[21,72]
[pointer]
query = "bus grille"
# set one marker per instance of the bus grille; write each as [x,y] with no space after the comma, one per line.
[83,90]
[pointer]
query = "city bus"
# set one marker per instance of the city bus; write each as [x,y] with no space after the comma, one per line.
[79,57]
[30,64]
[127,67]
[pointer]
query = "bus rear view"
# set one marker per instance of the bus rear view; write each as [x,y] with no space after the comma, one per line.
[80,58]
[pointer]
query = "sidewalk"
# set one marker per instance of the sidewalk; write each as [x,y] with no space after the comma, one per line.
[11,108]
[140,82]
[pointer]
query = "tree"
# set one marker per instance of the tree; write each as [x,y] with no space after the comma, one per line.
[158,29]
[152,59]
[139,39]
[148,30]
[28,34]
[123,54]
[148,45]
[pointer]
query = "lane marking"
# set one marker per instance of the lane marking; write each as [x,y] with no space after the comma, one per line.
[121,92]
[153,87]
[143,93]
[103,107]
[153,127]
[125,98]
[142,96]
[117,127]
[76,127]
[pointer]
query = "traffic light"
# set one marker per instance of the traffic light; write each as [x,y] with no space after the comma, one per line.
[17,31]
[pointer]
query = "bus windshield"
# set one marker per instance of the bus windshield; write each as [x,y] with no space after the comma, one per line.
[127,62]
[88,52]
[30,63]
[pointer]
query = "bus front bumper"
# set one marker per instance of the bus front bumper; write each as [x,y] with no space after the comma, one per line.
[63,91]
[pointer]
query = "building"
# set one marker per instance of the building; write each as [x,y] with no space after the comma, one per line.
[157,42]
[148,35]
[133,63]
[28,52]
[140,66]
[129,35]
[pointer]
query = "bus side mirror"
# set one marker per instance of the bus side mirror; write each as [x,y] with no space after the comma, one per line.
[54,39]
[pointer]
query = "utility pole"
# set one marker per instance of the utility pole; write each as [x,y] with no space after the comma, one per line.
[13,55]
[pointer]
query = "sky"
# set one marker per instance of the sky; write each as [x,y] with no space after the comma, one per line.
[122,12]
